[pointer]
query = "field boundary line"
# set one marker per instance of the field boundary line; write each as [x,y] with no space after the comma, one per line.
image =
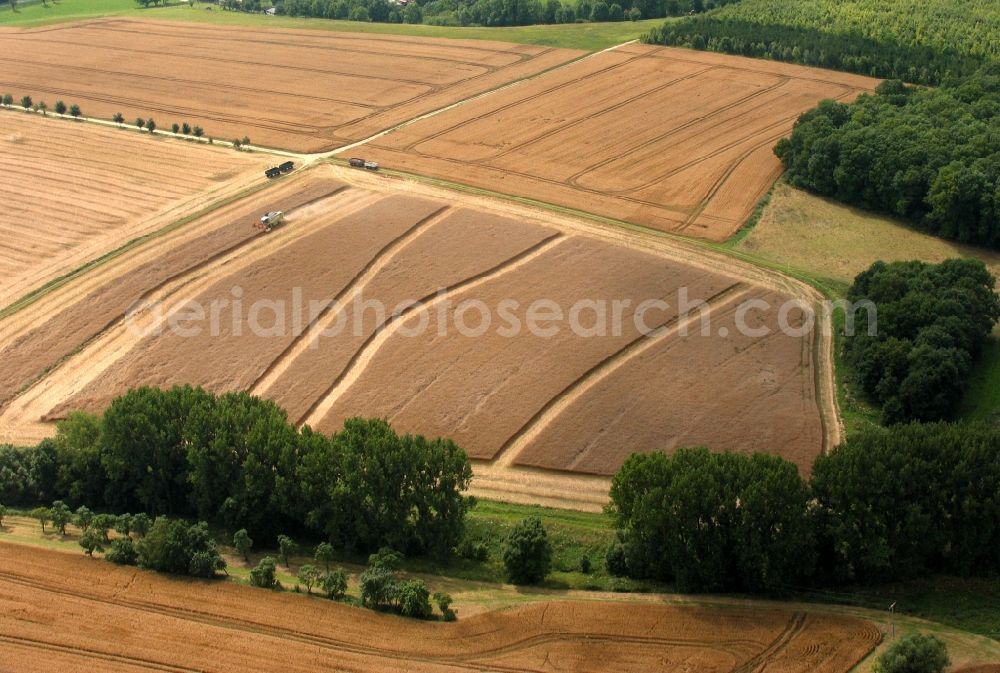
[356,366]
[371,269]
[551,410]
[791,280]
[470,99]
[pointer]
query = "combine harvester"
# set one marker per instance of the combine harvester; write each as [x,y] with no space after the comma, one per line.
[270,221]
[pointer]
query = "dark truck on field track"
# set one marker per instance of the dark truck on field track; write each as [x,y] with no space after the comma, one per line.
[275,171]
[362,163]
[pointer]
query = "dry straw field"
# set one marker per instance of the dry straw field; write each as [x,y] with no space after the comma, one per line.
[73,192]
[103,617]
[517,398]
[668,138]
[306,91]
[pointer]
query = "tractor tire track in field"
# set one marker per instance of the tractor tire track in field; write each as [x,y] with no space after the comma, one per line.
[721,181]
[573,179]
[569,125]
[795,626]
[372,268]
[472,661]
[510,449]
[355,367]
[34,646]
[520,101]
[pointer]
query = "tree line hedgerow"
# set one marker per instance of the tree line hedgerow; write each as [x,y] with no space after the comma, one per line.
[929,156]
[482,12]
[888,504]
[921,41]
[236,460]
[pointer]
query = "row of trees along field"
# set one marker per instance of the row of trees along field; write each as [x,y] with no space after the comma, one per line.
[930,156]
[483,12]
[924,41]
[918,330]
[886,505]
[236,460]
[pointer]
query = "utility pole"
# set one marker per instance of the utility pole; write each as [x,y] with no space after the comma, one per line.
[892,618]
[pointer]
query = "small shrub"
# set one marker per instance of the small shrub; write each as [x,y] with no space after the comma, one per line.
[616,561]
[263,575]
[914,653]
[414,599]
[334,584]
[585,564]
[527,553]
[91,541]
[60,107]
[123,552]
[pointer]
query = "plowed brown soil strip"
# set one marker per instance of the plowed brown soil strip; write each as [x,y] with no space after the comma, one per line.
[668,138]
[72,192]
[70,613]
[307,91]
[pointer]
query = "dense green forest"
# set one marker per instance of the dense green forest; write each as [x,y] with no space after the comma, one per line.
[930,156]
[888,504]
[483,12]
[913,353]
[924,41]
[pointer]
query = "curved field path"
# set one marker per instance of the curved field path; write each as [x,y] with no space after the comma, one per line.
[70,613]
[545,418]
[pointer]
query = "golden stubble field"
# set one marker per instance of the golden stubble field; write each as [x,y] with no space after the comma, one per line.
[547,413]
[100,617]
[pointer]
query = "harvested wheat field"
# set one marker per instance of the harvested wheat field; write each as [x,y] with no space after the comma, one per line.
[73,192]
[35,340]
[300,90]
[677,140]
[69,613]
[549,349]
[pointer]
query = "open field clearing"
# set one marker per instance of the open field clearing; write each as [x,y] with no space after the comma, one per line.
[675,140]
[73,192]
[98,616]
[393,299]
[833,241]
[306,91]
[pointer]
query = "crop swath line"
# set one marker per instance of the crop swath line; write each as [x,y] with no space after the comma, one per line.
[221,36]
[359,361]
[528,99]
[577,122]
[360,280]
[706,201]
[458,660]
[195,82]
[235,61]
[572,180]
[517,442]
[34,645]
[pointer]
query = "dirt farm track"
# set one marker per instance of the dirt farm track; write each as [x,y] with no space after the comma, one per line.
[128,620]
[674,140]
[671,139]
[546,417]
